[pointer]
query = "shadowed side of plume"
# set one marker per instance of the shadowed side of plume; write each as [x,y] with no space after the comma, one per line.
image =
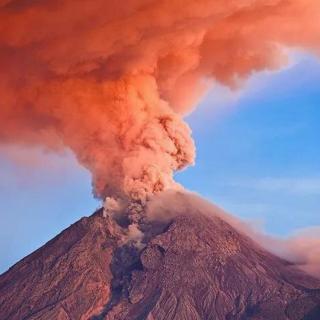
[191,267]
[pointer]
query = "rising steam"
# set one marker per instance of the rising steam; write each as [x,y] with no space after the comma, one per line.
[111,80]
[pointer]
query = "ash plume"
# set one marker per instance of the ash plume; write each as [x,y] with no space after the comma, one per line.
[112,80]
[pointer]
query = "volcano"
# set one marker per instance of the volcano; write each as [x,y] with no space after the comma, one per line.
[191,266]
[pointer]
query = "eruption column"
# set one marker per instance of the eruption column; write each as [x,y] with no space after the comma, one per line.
[112,80]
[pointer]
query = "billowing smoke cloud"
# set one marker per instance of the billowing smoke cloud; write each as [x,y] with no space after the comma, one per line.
[111,80]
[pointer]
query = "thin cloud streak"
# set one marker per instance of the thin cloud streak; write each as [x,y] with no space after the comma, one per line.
[289,185]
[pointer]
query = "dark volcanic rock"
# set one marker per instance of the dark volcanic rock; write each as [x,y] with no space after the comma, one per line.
[194,267]
[68,278]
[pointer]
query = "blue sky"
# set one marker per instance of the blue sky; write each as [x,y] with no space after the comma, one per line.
[261,159]
[258,157]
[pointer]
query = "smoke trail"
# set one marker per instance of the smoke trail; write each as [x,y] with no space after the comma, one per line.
[111,80]
[302,248]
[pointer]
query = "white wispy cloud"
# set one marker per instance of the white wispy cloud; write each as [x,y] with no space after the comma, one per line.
[291,185]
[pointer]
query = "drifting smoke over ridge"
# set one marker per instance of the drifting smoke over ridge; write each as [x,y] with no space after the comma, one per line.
[112,80]
[302,248]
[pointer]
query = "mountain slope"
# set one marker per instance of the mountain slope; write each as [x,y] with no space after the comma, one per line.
[192,267]
[68,278]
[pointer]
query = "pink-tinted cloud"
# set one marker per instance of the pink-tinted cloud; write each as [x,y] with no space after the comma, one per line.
[111,79]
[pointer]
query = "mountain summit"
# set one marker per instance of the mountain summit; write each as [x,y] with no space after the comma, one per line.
[191,266]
